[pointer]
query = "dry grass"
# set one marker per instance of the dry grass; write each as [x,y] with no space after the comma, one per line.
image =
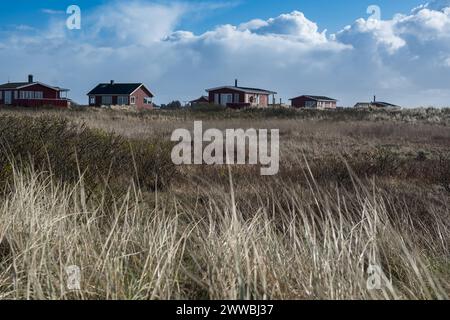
[347,197]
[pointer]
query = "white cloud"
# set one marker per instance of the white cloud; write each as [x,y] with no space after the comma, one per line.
[52,11]
[406,52]
[294,25]
[437,5]
[403,59]
[134,22]
[372,33]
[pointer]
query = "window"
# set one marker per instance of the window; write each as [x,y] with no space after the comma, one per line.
[122,100]
[1,95]
[31,95]
[226,99]
[106,100]
[133,100]
[216,98]
[310,104]
[147,100]
[92,100]
[15,94]
[236,98]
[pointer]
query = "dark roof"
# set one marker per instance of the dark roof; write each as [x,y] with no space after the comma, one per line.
[378,104]
[202,98]
[13,85]
[255,90]
[17,85]
[244,89]
[383,104]
[316,98]
[115,88]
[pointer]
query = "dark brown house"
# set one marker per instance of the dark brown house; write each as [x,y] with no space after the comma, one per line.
[136,95]
[376,105]
[200,101]
[33,94]
[314,102]
[239,97]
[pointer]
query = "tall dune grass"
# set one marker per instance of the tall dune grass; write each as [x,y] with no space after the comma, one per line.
[293,242]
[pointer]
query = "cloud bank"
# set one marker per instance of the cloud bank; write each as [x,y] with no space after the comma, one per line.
[405,60]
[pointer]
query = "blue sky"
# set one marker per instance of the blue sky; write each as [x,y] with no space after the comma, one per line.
[331,15]
[180,48]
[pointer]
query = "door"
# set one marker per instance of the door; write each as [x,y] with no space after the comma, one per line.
[8,97]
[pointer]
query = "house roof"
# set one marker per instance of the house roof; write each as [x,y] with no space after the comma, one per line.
[378,103]
[117,89]
[13,85]
[384,104]
[315,98]
[20,85]
[202,98]
[243,89]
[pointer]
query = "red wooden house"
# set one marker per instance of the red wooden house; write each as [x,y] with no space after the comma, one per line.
[33,94]
[314,102]
[136,95]
[239,97]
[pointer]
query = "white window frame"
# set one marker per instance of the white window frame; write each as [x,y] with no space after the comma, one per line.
[216,99]
[132,100]
[92,100]
[29,95]
[107,100]
[15,94]
[122,100]
[226,98]
[311,104]
[236,98]
[148,100]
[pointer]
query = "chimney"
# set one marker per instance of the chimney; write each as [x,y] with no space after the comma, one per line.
[30,78]
[374,98]
[236,83]
[112,82]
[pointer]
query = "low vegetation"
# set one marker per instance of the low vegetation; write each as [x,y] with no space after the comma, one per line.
[97,189]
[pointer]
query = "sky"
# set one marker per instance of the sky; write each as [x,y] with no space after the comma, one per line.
[401,52]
